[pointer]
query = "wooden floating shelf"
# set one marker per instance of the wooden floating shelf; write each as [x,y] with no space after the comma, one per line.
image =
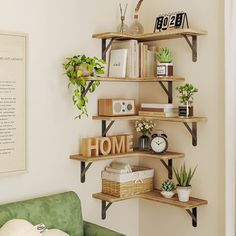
[168,119]
[168,34]
[156,197]
[164,156]
[190,207]
[143,79]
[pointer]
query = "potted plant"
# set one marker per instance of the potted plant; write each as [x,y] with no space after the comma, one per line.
[167,188]
[77,68]
[164,65]
[143,127]
[186,93]
[184,178]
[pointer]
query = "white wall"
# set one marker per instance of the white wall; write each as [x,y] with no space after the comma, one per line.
[208,76]
[60,28]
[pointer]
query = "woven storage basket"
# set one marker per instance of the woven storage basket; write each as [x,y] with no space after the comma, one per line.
[125,185]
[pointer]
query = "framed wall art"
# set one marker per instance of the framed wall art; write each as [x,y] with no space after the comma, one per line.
[12,103]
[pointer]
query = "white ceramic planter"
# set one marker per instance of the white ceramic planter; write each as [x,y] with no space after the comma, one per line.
[167,194]
[184,193]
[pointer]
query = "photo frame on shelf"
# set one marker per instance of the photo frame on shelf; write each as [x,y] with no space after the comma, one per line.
[13,48]
[171,21]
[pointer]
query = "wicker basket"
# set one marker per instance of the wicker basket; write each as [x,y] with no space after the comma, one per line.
[125,185]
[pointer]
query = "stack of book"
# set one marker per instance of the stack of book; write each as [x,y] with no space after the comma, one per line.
[128,58]
[159,110]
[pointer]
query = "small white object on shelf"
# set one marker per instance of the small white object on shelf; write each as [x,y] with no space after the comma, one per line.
[118,62]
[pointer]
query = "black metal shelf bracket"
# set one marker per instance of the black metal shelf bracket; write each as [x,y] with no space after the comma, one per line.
[83,170]
[105,207]
[193,215]
[193,132]
[192,45]
[106,128]
[168,91]
[105,47]
[87,89]
[169,167]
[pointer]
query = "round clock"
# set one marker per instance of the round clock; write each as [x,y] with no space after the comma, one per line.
[159,143]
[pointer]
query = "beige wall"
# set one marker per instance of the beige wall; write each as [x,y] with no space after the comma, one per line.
[60,28]
[208,76]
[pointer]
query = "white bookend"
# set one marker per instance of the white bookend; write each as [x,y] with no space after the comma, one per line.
[118,63]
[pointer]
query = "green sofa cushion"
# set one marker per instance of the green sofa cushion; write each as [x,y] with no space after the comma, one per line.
[61,211]
[96,230]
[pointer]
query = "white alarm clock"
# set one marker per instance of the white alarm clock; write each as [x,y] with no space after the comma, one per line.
[159,143]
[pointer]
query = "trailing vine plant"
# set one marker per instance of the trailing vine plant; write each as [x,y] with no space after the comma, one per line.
[77,68]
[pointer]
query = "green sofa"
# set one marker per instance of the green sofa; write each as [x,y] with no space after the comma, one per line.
[61,211]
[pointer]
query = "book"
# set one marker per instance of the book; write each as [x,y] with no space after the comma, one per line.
[159,109]
[132,67]
[158,114]
[118,63]
[157,105]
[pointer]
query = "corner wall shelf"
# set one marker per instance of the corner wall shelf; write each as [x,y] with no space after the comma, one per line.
[190,206]
[165,158]
[160,79]
[164,35]
[186,121]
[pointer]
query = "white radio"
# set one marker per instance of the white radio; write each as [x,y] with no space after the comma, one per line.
[116,107]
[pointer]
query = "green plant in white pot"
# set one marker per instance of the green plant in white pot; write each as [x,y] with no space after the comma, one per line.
[167,188]
[77,68]
[184,178]
[164,65]
[186,93]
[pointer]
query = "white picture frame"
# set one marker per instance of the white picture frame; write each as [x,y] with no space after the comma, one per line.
[13,73]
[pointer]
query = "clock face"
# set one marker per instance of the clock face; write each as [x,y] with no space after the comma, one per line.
[159,144]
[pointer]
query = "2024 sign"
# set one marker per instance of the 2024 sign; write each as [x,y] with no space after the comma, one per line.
[172,20]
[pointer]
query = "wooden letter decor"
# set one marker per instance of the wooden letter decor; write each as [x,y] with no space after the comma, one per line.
[106,145]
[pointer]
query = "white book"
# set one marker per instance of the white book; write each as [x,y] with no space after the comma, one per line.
[118,63]
[150,63]
[133,55]
[156,105]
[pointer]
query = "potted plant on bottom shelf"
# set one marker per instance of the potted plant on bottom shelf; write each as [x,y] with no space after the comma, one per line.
[164,65]
[186,93]
[167,188]
[77,68]
[184,178]
[144,127]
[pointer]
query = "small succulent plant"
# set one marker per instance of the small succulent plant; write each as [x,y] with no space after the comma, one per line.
[164,55]
[184,176]
[168,186]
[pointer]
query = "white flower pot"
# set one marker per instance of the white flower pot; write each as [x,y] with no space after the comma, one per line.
[167,194]
[183,193]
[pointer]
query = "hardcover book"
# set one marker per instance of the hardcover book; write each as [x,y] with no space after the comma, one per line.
[118,62]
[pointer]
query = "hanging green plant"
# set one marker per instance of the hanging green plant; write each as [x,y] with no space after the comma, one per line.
[77,68]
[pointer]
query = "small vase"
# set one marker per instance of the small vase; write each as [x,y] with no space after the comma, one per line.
[136,27]
[144,143]
[186,110]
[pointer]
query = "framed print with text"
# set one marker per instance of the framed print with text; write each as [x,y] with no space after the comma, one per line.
[12,103]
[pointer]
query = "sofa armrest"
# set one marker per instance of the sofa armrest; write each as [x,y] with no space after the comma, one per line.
[96,230]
